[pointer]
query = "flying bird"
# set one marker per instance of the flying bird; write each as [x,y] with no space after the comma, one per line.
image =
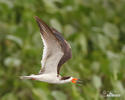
[55,53]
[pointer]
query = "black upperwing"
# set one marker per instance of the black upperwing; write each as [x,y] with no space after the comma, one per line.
[53,43]
[65,47]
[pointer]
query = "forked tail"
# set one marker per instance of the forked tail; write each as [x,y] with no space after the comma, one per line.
[26,77]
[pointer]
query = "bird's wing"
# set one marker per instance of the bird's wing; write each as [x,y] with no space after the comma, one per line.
[52,52]
[56,50]
[65,48]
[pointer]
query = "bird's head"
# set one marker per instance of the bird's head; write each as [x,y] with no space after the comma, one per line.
[71,79]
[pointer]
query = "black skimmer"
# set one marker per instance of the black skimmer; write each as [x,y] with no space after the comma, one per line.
[55,53]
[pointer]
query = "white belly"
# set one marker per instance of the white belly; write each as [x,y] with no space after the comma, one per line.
[50,78]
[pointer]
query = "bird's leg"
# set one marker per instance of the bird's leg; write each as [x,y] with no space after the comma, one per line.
[33,79]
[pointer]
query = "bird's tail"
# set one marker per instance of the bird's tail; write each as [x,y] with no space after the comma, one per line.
[25,77]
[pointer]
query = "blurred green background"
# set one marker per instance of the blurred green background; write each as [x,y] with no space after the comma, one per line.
[95,30]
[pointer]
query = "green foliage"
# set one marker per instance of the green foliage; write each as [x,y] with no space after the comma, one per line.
[94,28]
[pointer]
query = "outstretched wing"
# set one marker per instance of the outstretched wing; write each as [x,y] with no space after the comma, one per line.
[65,48]
[52,52]
[56,50]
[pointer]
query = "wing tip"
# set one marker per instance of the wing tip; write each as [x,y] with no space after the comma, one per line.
[38,20]
[40,23]
[36,17]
